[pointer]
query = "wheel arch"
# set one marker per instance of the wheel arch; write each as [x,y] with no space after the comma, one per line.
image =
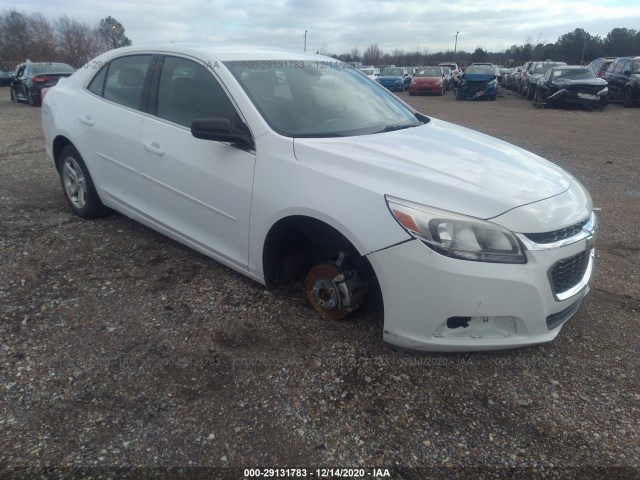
[58,144]
[297,242]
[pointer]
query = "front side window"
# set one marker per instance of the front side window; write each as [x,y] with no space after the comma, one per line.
[187,92]
[124,80]
[317,99]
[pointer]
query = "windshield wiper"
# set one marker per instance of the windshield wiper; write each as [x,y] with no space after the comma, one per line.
[393,128]
[319,135]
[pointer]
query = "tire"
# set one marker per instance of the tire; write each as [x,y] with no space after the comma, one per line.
[537,101]
[628,102]
[31,101]
[78,186]
[530,92]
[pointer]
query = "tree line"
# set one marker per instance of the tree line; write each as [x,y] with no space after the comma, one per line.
[36,38]
[574,47]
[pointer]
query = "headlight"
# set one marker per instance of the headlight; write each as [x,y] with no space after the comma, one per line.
[492,82]
[439,82]
[455,235]
[604,91]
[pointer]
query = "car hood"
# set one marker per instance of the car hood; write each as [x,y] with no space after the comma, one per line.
[478,77]
[438,164]
[594,82]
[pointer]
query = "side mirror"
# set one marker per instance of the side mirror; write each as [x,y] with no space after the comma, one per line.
[219,130]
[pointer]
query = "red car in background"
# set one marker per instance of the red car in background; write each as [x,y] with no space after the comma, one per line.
[428,80]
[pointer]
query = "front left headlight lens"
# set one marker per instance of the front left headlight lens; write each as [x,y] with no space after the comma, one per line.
[457,236]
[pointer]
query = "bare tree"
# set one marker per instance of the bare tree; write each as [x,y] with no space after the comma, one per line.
[42,39]
[372,54]
[76,41]
[15,36]
[355,54]
[323,50]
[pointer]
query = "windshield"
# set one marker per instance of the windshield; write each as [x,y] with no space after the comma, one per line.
[636,66]
[320,99]
[480,70]
[392,72]
[574,74]
[429,72]
[542,68]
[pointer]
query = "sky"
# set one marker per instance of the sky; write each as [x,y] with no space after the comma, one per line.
[339,25]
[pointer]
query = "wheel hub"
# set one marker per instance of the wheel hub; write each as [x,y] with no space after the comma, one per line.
[333,291]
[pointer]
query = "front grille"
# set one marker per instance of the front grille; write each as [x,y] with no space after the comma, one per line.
[557,319]
[557,235]
[474,87]
[568,272]
[589,89]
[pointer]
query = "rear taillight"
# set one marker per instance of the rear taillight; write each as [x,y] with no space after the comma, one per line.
[40,79]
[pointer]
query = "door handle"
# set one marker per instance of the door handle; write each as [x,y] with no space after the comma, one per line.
[86,119]
[154,148]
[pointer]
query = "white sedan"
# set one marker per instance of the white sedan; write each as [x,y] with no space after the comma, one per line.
[287,165]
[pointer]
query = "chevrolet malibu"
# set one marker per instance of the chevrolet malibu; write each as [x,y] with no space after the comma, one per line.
[285,165]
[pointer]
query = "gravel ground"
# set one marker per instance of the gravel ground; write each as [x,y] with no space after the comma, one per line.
[122,348]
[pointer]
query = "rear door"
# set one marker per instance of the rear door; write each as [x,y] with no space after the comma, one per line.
[111,118]
[617,79]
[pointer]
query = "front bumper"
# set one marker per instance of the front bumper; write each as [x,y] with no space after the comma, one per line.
[508,305]
[477,94]
[392,85]
[425,88]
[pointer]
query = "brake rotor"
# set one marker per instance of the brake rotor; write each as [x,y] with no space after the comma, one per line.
[322,293]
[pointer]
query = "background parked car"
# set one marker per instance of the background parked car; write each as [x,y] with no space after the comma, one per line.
[534,73]
[448,81]
[371,72]
[600,65]
[394,78]
[428,80]
[455,72]
[478,81]
[571,84]
[31,78]
[6,77]
[623,76]
[524,72]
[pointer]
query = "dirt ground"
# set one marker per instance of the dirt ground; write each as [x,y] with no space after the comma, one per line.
[122,348]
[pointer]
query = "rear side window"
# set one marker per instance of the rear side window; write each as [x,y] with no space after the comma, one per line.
[621,64]
[97,84]
[124,80]
[188,91]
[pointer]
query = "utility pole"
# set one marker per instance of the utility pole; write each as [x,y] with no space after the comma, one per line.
[455,48]
[305,40]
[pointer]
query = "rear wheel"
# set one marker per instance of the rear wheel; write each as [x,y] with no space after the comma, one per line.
[78,186]
[31,99]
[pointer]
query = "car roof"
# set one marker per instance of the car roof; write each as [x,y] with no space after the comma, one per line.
[225,53]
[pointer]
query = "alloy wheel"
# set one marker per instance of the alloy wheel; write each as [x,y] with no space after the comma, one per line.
[74,182]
